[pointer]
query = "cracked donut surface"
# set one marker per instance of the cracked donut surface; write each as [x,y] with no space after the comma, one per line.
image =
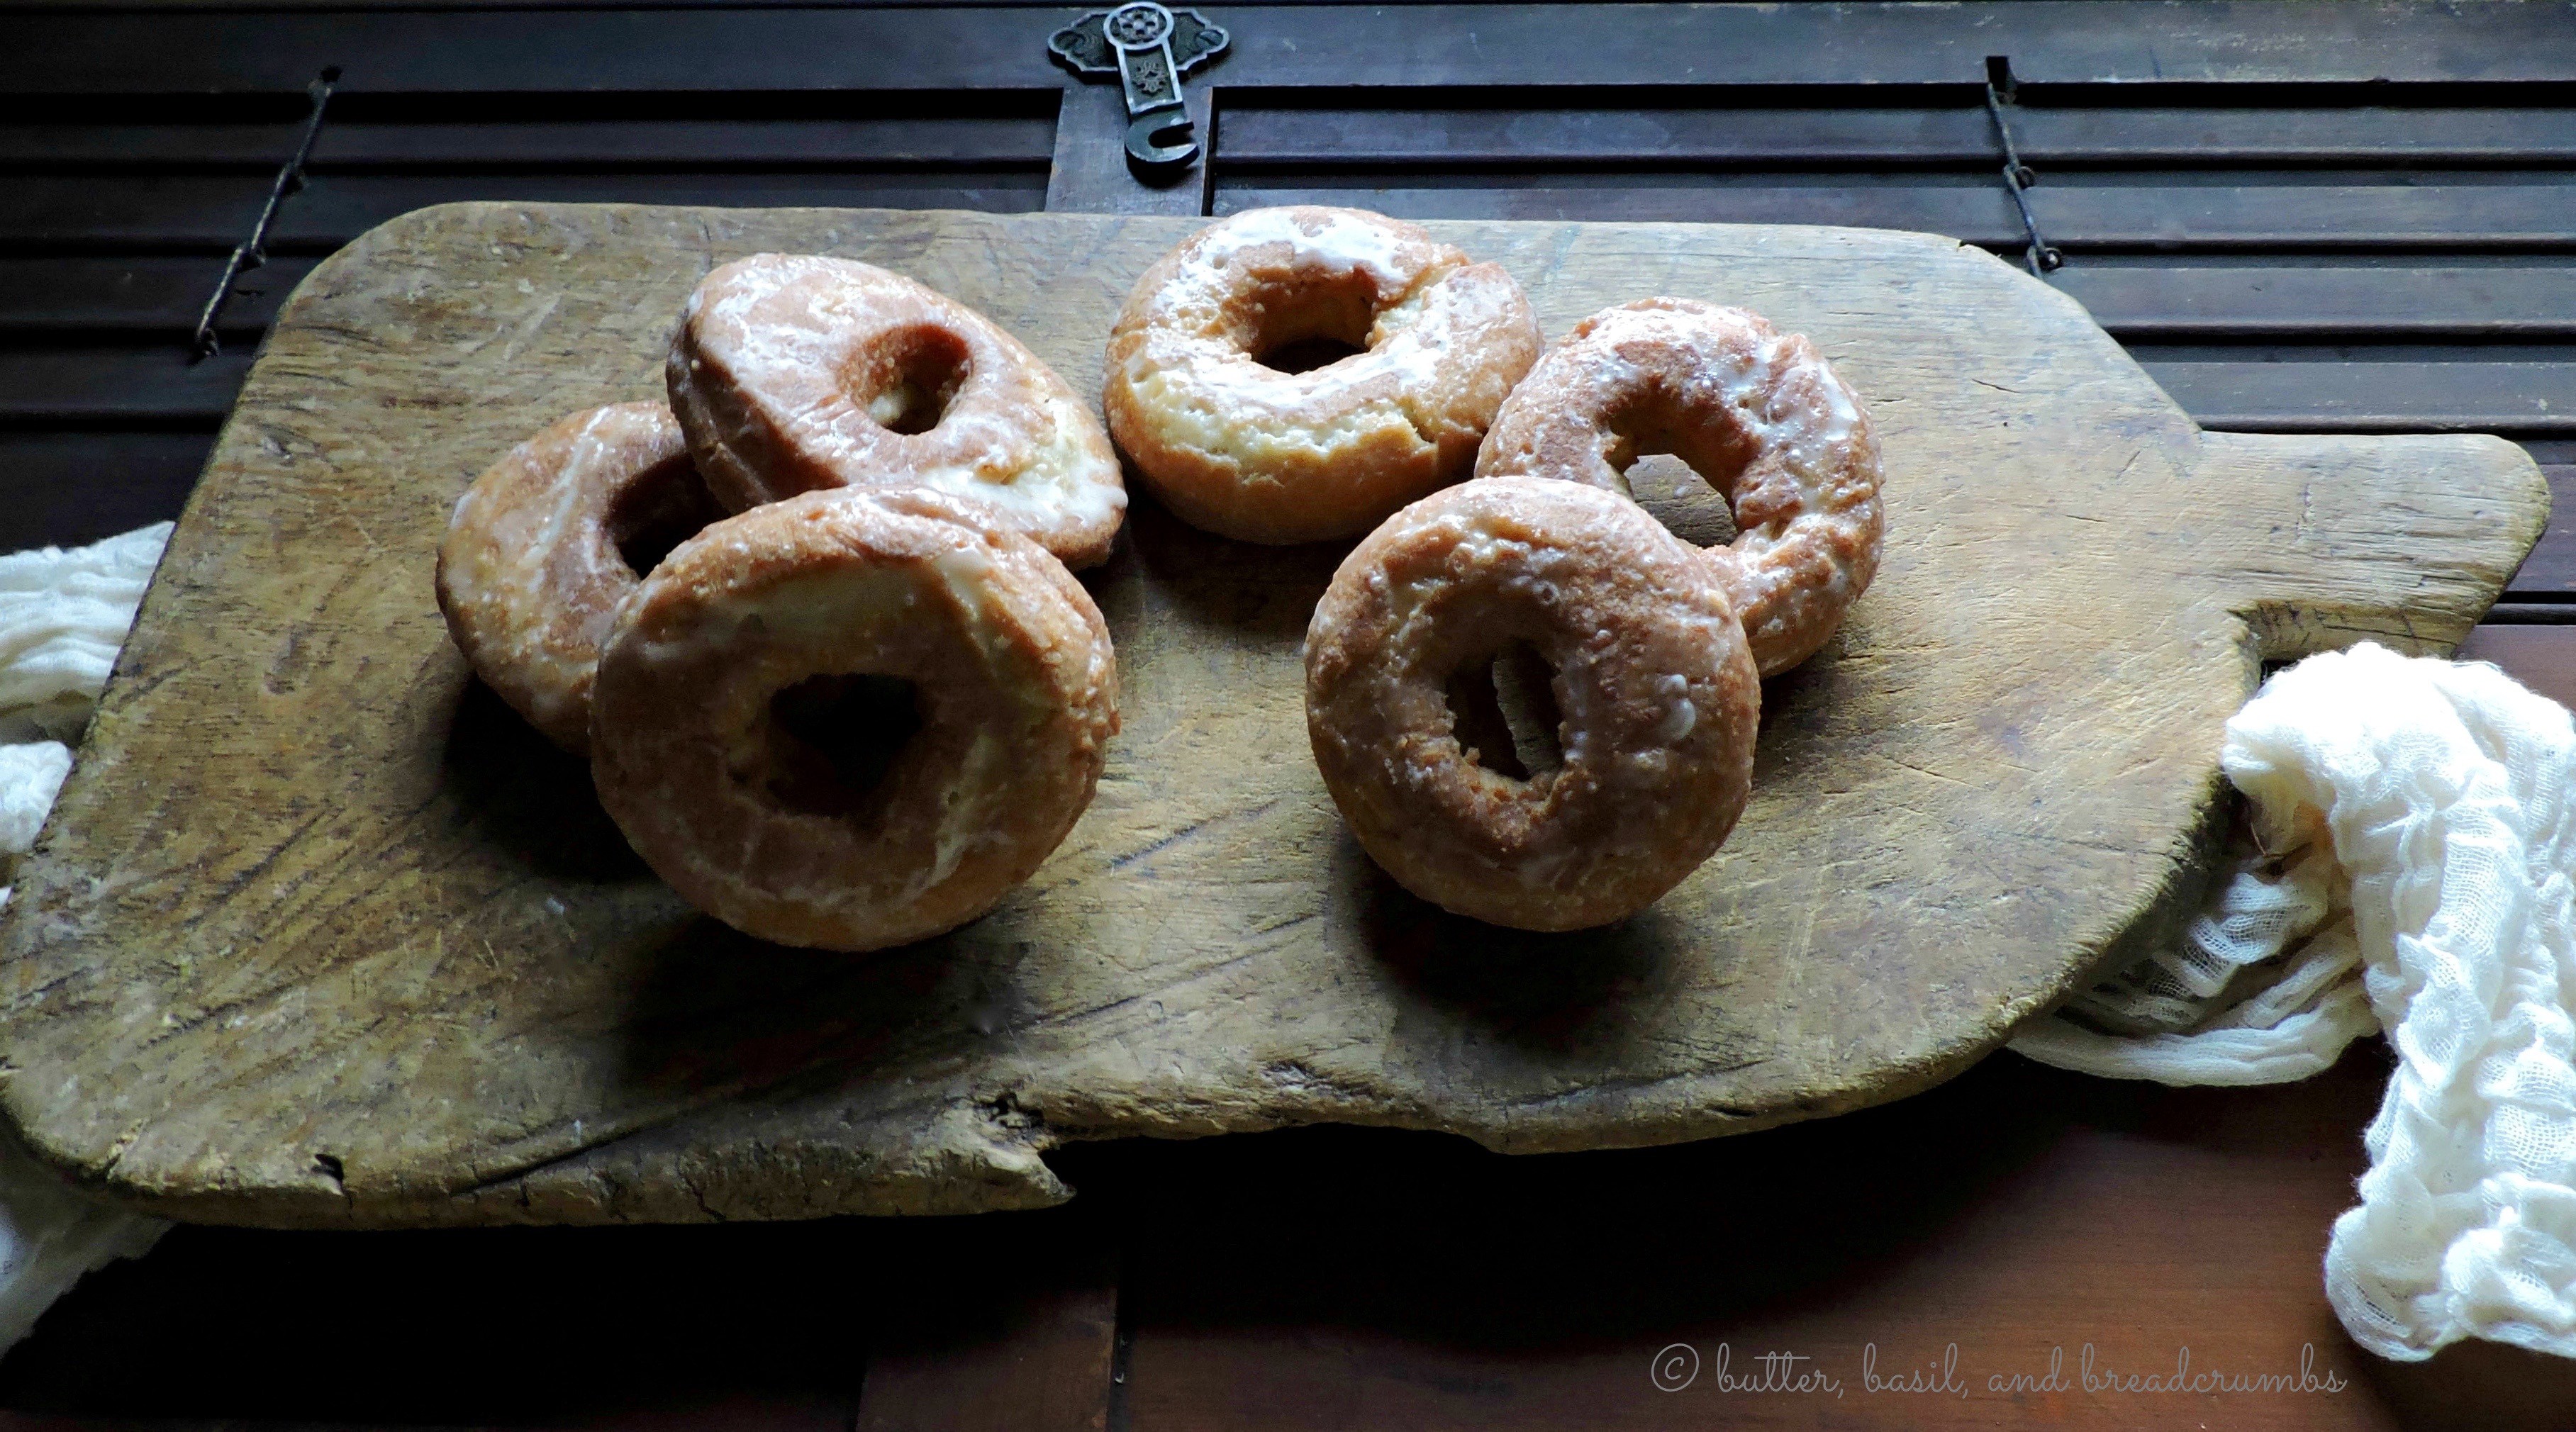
[545,544]
[1755,411]
[1248,451]
[855,719]
[1638,653]
[794,372]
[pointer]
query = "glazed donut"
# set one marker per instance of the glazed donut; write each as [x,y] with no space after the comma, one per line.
[852,719]
[1655,703]
[1756,412]
[792,372]
[1247,451]
[545,544]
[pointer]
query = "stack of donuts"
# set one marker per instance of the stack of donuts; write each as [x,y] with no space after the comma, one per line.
[812,622]
[1539,589]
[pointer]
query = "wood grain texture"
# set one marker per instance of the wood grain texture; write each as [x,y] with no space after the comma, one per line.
[2149,213]
[321,935]
[1341,1278]
[2016,1213]
[488,49]
[1948,129]
[2013,1214]
[1036,1356]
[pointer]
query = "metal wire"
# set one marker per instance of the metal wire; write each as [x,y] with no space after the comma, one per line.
[253,251]
[2042,256]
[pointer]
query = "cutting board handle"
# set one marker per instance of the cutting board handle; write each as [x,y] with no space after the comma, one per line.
[2399,540]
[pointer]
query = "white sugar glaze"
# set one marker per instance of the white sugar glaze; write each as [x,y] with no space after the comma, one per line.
[1253,452]
[1758,412]
[792,372]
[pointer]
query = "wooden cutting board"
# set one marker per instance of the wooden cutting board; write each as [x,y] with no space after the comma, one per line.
[320,934]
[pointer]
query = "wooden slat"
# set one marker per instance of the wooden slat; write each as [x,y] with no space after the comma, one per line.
[1036,1357]
[2118,213]
[2549,573]
[2131,214]
[93,145]
[65,488]
[2540,657]
[2532,298]
[875,143]
[2012,1211]
[2333,395]
[494,142]
[212,214]
[2051,41]
[132,294]
[1258,135]
[159,383]
[335,208]
[167,211]
[2513,614]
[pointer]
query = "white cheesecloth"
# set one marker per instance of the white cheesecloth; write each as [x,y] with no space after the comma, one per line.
[2411,838]
[62,617]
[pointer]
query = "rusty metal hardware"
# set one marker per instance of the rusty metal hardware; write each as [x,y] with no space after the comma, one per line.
[1150,49]
[2042,256]
[253,251]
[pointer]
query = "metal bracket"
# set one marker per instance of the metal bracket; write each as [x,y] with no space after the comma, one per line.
[2042,256]
[1151,50]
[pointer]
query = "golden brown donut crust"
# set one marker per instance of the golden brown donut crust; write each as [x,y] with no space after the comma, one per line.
[531,572]
[1016,694]
[1249,452]
[1756,411]
[792,373]
[1657,692]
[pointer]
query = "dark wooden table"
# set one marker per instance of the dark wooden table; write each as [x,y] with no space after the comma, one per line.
[2298,217]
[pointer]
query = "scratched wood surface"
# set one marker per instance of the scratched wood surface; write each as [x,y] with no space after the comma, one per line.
[321,935]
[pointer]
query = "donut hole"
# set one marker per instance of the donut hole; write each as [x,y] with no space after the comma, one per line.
[1682,498]
[1504,714]
[906,380]
[1305,355]
[1300,327]
[666,505]
[835,738]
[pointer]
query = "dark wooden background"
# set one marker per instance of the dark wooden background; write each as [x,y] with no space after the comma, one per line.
[2299,217]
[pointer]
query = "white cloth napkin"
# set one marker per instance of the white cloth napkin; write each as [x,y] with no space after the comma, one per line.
[62,617]
[2414,834]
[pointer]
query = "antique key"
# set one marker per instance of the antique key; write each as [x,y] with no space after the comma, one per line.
[1150,49]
